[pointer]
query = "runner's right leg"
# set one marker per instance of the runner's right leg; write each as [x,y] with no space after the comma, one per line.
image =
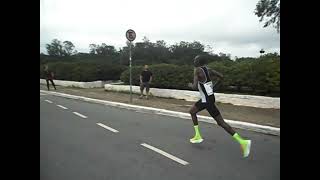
[193,111]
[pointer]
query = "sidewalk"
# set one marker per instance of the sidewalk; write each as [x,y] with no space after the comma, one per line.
[262,116]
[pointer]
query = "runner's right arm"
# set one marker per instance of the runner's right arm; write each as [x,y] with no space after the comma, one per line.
[194,85]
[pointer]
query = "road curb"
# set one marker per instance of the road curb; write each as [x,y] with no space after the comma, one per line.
[236,124]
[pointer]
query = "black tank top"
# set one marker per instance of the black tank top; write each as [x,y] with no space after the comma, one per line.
[206,87]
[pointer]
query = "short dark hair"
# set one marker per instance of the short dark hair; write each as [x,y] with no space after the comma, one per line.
[200,60]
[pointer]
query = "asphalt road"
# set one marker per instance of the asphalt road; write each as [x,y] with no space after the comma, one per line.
[82,141]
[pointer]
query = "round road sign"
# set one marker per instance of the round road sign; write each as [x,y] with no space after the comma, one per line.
[131,35]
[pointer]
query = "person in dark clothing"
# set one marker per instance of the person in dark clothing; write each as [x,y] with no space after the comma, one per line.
[49,77]
[145,80]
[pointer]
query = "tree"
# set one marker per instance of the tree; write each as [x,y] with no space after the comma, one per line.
[55,48]
[102,49]
[224,56]
[145,52]
[269,9]
[68,48]
[93,48]
[162,51]
[146,41]
[184,52]
[161,43]
[124,53]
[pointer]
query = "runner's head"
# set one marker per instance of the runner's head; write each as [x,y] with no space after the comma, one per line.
[200,60]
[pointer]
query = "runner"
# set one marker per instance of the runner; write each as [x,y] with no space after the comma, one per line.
[202,82]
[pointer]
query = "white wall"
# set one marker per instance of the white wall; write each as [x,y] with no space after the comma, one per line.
[243,100]
[94,84]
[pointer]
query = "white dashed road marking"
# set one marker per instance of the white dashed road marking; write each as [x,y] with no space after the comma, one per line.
[106,127]
[48,101]
[62,106]
[165,154]
[78,114]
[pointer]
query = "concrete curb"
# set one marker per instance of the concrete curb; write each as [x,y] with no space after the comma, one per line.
[235,124]
[187,95]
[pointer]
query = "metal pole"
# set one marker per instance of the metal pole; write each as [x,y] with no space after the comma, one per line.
[130,75]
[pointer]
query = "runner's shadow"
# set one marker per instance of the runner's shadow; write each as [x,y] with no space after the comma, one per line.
[202,147]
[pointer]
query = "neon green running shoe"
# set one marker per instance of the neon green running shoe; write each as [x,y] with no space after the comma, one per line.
[196,139]
[245,147]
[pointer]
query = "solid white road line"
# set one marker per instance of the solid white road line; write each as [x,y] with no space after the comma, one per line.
[106,127]
[165,154]
[83,116]
[62,106]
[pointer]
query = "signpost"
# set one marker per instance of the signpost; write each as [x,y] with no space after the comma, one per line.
[261,51]
[131,36]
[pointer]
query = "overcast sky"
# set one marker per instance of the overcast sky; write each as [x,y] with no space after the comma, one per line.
[228,26]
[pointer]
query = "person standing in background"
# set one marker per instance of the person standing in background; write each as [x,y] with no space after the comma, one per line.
[145,80]
[49,77]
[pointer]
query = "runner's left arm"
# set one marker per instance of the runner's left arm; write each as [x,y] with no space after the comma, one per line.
[214,73]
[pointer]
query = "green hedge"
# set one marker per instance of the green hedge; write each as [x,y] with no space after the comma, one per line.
[84,72]
[257,77]
[164,76]
[260,76]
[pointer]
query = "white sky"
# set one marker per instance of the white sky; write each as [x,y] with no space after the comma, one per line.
[228,26]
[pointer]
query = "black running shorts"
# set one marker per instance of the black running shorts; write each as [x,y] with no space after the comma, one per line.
[209,105]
